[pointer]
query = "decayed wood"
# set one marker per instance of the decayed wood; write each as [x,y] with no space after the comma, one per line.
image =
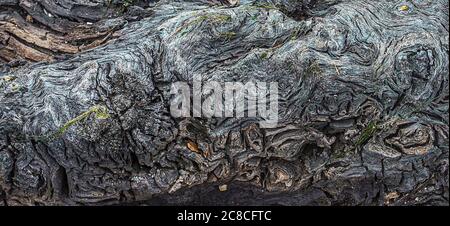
[41,30]
[363,89]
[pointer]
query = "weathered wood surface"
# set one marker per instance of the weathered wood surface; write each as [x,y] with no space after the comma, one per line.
[363,102]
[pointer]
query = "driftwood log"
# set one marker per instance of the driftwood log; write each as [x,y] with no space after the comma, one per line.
[363,102]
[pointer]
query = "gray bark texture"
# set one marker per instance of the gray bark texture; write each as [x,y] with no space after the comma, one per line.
[85,95]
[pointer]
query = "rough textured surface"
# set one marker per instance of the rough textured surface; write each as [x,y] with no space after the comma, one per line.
[363,103]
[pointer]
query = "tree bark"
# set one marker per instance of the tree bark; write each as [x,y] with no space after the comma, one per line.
[85,96]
